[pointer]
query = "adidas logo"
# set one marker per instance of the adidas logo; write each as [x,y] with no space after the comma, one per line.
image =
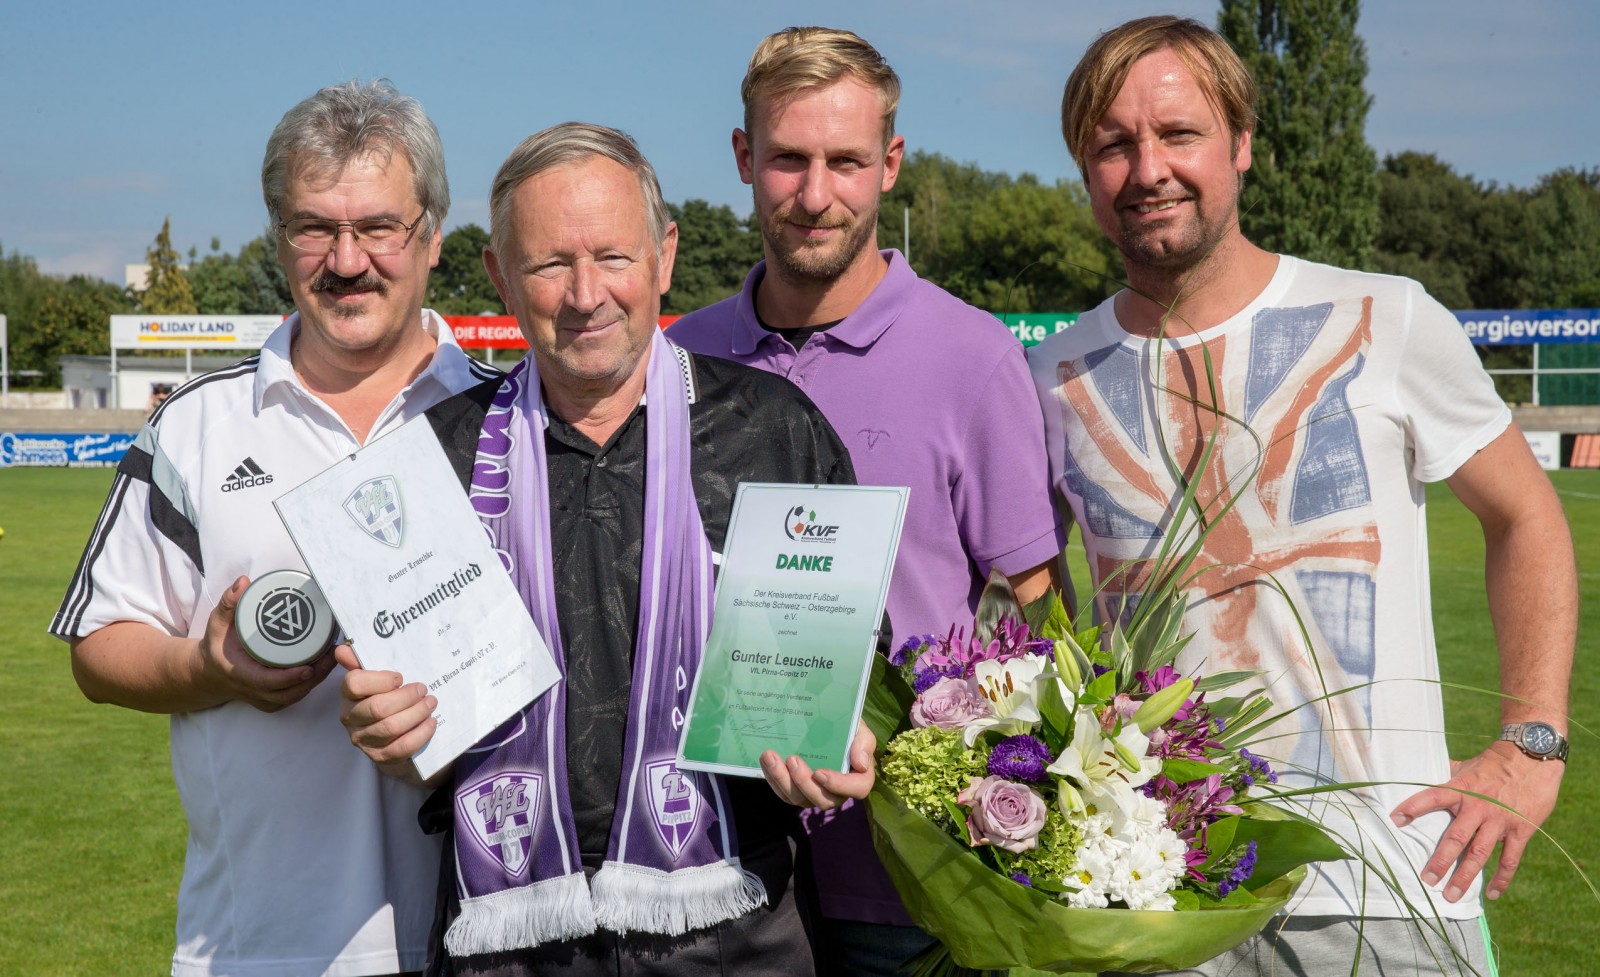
[248,474]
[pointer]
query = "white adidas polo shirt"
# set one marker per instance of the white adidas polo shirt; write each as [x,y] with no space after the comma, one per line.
[301,858]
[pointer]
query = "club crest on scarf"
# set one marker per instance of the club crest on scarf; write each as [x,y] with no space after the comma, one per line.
[674,802]
[375,506]
[502,812]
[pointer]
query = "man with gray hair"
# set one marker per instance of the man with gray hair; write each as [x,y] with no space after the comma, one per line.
[604,468]
[301,859]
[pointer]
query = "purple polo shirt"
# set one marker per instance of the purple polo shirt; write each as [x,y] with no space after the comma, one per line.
[931,393]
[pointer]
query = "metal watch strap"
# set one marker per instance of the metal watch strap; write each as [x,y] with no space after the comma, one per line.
[1512,732]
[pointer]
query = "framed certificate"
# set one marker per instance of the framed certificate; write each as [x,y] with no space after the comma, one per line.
[399,553]
[799,601]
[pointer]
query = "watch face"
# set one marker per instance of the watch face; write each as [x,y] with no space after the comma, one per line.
[1539,738]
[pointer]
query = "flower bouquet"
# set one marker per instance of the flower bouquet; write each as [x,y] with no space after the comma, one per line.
[1066,801]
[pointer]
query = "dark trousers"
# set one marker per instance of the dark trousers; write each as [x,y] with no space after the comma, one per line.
[769,942]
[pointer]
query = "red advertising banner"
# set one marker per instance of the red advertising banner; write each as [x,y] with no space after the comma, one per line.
[499,331]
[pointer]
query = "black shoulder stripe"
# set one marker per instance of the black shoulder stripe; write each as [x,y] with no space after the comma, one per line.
[135,464]
[172,524]
[458,420]
[244,367]
[483,371]
[70,614]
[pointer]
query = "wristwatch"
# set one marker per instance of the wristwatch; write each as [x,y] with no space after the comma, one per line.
[1538,740]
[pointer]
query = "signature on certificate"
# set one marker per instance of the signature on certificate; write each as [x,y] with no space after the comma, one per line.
[772,728]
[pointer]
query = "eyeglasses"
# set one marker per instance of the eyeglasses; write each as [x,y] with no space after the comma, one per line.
[376,235]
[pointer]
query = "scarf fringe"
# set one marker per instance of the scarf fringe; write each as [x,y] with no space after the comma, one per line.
[513,919]
[629,898]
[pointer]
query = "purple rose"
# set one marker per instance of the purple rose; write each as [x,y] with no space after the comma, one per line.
[1003,814]
[949,703]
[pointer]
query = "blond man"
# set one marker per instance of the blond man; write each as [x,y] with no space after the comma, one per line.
[1334,397]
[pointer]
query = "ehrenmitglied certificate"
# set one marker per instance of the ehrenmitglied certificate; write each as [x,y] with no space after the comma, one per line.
[399,553]
[805,574]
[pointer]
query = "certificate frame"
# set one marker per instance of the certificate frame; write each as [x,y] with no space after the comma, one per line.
[798,604]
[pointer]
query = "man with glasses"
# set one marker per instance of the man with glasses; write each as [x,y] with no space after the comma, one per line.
[301,858]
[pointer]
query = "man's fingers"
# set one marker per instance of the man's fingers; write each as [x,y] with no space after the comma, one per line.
[378,722]
[359,684]
[408,745]
[377,708]
[803,786]
[229,601]
[1474,856]
[777,774]
[1423,802]
[346,656]
[1510,858]
[863,747]
[836,784]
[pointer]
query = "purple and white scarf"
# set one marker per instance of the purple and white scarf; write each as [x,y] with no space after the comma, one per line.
[672,864]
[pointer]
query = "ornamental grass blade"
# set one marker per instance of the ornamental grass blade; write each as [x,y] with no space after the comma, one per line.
[997,604]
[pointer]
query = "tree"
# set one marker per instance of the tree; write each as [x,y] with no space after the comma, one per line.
[1312,187]
[167,290]
[49,317]
[460,285]
[1462,240]
[1001,244]
[249,283]
[716,250]
[1028,247]
[1563,213]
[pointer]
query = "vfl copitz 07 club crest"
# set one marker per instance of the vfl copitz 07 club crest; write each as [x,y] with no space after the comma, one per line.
[375,506]
[674,802]
[285,616]
[501,811]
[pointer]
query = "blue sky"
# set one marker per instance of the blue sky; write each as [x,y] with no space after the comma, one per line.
[116,115]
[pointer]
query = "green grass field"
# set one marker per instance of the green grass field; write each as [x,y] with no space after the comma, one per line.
[92,834]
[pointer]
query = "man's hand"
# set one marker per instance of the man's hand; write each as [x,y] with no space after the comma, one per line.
[388,720]
[793,779]
[1525,785]
[230,673]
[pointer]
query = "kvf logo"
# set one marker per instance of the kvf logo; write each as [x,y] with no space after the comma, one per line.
[800,524]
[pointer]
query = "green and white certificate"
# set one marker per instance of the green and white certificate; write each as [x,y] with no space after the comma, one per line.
[805,574]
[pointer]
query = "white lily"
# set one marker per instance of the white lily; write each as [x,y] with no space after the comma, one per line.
[1009,687]
[1102,770]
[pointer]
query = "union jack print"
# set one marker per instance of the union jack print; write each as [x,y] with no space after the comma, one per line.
[1289,458]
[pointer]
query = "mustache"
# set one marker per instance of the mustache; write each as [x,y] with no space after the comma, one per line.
[327,281]
[793,215]
[1129,198]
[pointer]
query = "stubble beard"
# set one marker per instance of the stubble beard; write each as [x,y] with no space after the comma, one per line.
[818,262]
[1173,253]
[1170,251]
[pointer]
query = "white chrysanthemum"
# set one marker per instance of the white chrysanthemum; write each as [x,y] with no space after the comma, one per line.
[1172,850]
[1095,824]
[1143,877]
[1136,815]
[1090,881]
[1158,902]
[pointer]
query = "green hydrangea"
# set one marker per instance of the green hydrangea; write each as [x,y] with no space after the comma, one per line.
[929,766]
[1056,854]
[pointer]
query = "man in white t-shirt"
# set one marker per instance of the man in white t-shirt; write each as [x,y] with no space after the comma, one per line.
[1329,398]
[301,858]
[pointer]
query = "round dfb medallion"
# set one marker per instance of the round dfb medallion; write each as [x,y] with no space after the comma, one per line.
[283,619]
